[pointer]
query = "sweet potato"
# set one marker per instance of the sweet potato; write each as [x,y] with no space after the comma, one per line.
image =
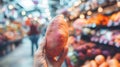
[113,63]
[56,36]
[93,63]
[104,64]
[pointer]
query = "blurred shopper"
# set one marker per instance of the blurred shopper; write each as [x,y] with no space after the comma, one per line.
[34,35]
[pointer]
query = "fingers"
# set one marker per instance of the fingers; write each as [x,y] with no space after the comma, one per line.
[39,56]
[39,60]
[63,56]
[40,50]
[42,44]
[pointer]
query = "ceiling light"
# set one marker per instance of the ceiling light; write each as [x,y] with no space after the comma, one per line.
[76,4]
[10,6]
[23,13]
[89,13]
[100,9]
[26,4]
[30,16]
[82,16]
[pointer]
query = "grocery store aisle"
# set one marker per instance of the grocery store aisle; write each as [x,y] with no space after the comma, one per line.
[20,57]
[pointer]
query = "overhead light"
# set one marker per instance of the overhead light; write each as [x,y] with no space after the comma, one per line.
[26,4]
[89,13]
[82,16]
[100,9]
[30,15]
[77,3]
[35,14]
[23,13]
[118,4]
[10,6]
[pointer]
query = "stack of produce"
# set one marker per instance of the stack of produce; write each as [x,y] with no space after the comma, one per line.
[101,61]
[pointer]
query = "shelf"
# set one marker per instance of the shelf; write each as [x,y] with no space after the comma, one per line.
[8,43]
[110,26]
[98,42]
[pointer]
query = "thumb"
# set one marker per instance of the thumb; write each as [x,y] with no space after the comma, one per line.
[40,51]
[63,56]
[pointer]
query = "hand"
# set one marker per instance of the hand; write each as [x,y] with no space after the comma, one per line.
[41,60]
[53,62]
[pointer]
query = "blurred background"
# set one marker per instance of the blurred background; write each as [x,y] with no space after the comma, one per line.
[94,30]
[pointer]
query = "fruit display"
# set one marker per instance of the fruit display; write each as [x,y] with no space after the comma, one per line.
[98,19]
[3,39]
[90,50]
[79,23]
[95,40]
[115,17]
[87,51]
[93,46]
[102,36]
[56,36]
[101,61]
[103,20]
[10,37]
[107,37]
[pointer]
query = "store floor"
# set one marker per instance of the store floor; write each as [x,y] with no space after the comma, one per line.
[20,57]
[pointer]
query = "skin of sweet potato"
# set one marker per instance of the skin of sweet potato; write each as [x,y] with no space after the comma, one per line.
[56,36]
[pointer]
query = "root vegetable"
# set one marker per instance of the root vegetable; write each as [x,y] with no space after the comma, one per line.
[113,63]
[93,63]
[99,59]
[104,64]
[56,36]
